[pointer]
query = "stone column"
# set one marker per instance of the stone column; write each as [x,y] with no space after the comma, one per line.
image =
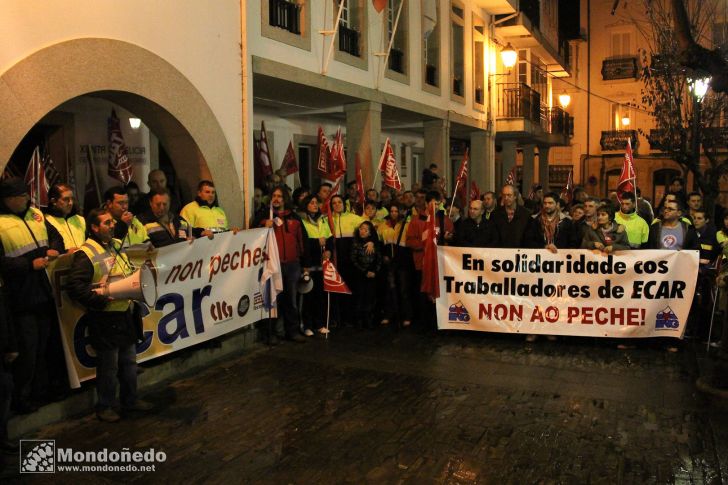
[482,164]
[363,133]
[543,169]
[508,158]
[437,147]
[529,158]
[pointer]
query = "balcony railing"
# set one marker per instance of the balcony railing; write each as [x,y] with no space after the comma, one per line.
[619,68]
[396,61]
[617,139]
[557,121]
[715,137]
[285,14]
[517,100]
[348,40]
[659,141]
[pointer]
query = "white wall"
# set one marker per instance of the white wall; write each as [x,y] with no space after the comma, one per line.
[199,38]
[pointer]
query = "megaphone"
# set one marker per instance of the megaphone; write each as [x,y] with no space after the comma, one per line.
[140,286]
[305,284]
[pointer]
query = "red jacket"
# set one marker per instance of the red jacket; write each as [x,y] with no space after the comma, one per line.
[289,236]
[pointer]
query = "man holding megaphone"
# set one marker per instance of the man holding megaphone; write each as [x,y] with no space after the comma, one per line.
[112,326]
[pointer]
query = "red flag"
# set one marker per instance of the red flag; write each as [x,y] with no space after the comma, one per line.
[323,160]
[379,5]
[289,160]
[430,272]
[332,279]
[388,167]
[568,192]
[474,191]
[119,165]
[463,172]
[264,152]
[36,181]
[337,168]
[511,177]
[92,194]
[359,181]
[627,180]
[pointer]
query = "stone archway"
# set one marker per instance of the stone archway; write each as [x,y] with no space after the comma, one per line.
[136,79]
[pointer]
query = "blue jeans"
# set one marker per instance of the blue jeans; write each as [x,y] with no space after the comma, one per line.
[121,362]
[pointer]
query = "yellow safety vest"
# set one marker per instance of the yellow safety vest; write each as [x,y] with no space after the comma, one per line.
[183,232]
[345,224]
[204,217]
[389,234]
[73,229]
[15,237]
[317,229]
[111,261]
[137,234]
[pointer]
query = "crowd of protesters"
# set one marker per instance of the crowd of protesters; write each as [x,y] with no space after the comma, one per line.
[376,243]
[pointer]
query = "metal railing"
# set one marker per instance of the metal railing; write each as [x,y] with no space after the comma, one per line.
[285,14]
[619,68]
[518,100]
[556,121]
[349,40]
[617,139]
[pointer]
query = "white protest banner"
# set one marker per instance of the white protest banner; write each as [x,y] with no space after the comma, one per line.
[572,292]
[205,289]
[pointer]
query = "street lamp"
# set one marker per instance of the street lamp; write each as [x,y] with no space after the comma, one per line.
[509,56]
[564,99]
[699,86]
[626,121]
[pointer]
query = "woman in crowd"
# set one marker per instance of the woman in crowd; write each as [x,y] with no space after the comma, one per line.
[64,217]
[397,268]
[317,246]
[577,213]
[606,235]
[365,267]
[343,226]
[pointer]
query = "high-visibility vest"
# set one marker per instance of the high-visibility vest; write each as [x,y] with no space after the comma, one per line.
[155,226]
[317,229]
[345,224]
[109,261]
[21,236]
[205,217]
[73,229]
[137,234]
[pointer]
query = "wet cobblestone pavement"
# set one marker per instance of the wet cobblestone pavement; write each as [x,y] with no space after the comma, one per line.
[380,406]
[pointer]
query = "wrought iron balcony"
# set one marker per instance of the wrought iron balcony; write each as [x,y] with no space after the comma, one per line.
[619,68]
[348,40]
[617,139]
[715,137]
[518,100]
[396,60]
[285,14]
[557,121]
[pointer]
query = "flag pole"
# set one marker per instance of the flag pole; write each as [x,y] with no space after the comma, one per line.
[333,36]
[389,47]
[379,167]
[452,199]
[328,308]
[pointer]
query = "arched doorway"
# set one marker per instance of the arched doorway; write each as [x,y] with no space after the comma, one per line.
[141,82]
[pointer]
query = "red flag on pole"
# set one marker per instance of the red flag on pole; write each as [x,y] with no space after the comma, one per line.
[474,191]
[388,167]
[36,181]
[430,272]
[568,191]
[627,180]
[511,177]
[289,163]
[359,181]
[462,180]
[323,160]
[264,152]
[379,5]
[92,194]
[332,279]
[337,168]
[119,165]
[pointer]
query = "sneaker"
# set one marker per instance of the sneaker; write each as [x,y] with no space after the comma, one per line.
[323,330]
[530,338]
[406,323]
[716,345]
[140,406]
[384,322]
[308,332]
[108,415]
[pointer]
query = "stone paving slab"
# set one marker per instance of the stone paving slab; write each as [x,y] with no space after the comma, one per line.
[403,407]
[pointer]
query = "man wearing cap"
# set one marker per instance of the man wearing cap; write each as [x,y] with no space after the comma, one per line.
[28,245]
[112,327]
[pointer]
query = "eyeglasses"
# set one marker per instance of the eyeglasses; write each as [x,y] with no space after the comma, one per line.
[669,209]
